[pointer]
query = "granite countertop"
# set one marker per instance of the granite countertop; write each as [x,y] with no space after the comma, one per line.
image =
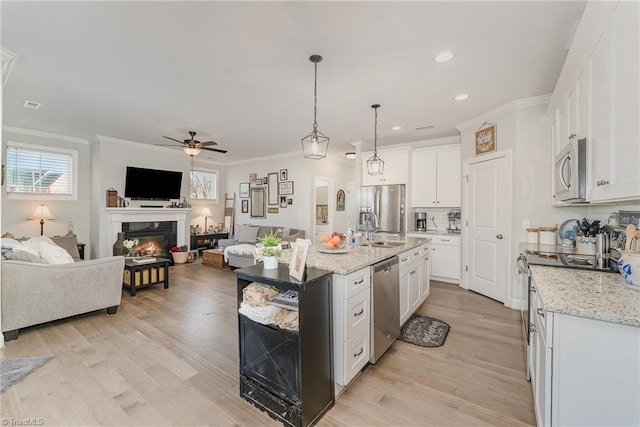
[589,294]
[358,256]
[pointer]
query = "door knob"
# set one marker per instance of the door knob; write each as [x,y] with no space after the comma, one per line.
[499,236]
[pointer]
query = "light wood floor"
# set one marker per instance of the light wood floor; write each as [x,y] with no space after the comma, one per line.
[170,357]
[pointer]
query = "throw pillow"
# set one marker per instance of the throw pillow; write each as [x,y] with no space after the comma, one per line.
[279,232]
[9,243]
[248,233]
[18,255]
[69,243]
[54,254]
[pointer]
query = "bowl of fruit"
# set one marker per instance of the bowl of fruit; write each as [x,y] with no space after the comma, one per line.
[335,242]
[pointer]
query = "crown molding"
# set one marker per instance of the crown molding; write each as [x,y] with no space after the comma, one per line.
[42,134]
[504,109]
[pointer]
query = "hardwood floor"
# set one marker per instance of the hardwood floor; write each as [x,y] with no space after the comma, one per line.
[170,357]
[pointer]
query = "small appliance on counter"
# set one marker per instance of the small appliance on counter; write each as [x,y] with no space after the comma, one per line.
[421,221]
[454,221]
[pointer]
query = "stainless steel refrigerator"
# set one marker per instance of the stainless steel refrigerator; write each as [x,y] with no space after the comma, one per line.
[387,202]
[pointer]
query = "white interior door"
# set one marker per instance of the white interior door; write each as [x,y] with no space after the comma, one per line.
[487,207]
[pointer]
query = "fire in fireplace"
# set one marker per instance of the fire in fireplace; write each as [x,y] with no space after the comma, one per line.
[154,238]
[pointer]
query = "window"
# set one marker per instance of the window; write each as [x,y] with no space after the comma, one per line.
[45,172]
[204,185]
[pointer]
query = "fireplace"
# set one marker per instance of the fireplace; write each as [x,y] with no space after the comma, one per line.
[155,238]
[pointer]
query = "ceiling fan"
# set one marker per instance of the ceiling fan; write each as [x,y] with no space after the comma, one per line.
[192,146]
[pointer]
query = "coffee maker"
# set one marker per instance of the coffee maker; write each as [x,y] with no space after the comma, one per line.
[421,221]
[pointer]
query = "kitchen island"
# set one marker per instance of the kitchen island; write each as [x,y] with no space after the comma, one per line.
[352,283]
[584,356]
[357,257]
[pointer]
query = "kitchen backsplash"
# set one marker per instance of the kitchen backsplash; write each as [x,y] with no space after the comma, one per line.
[439,216]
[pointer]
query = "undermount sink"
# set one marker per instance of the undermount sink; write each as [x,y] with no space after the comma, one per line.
[383,244]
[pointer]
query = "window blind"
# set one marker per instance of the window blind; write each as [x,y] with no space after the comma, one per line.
[37,171]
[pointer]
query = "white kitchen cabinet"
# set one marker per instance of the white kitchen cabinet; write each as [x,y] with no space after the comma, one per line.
[395,168]
[406,262]
[351,323]
[445,258]
[615,108]
[425,272]
[583,371]
[436,177]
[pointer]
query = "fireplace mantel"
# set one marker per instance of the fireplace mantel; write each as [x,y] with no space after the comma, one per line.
[120,215]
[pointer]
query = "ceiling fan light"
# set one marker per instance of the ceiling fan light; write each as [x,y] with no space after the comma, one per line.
[192,151]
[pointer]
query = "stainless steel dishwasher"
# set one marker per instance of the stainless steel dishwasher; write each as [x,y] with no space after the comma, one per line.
[385,303]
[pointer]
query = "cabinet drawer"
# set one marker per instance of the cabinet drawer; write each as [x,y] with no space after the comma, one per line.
[543,320]
[357,314]
[357,281]
[356,355]
[447,240]
[406,258]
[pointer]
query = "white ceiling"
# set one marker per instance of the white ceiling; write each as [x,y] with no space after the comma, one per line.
[239,73]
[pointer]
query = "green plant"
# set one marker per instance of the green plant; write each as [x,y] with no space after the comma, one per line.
[271,245]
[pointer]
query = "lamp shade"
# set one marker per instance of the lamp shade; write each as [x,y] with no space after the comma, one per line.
[206,212]
[42,212]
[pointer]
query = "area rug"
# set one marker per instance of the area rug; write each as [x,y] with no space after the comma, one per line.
[15,370]
[424,331]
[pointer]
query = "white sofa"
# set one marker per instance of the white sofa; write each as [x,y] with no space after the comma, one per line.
[35,293]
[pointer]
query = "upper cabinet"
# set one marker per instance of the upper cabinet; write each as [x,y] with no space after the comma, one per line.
[395,168]
[597,98]
[435,178]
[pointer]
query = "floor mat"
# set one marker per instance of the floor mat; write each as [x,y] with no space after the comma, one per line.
[15,370]
[424,331]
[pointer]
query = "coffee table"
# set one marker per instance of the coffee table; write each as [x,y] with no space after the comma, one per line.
[214,257]
[142,275]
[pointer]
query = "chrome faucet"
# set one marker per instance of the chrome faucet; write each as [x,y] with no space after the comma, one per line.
[376,225]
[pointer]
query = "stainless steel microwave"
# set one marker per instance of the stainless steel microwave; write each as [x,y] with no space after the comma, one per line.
[570,170]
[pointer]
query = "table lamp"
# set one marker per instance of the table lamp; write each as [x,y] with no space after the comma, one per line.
[43,213]
[206,212]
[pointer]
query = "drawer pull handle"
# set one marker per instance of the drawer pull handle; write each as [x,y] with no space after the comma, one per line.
[360,313]
[416,253]
[404,259]
[359,282]
[540,312]
[532,328]
[533,289]
[359,353]
[444,240]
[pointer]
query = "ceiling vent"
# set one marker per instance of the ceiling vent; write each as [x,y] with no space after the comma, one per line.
[425,127]
[31,105]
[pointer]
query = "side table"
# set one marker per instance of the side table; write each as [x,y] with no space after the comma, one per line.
[142,275]
[214,258]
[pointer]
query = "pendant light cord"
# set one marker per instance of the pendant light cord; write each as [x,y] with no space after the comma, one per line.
[375,134]
[315,98]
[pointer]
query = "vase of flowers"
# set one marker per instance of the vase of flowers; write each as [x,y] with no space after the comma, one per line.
[129,244]
[270,251]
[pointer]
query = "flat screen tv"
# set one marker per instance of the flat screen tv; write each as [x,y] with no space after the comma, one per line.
[152,184]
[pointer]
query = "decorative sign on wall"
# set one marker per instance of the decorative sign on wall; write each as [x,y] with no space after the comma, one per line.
[272,210]
[340,200]
[285,188]
[486,138]
[244,190]
[272,181]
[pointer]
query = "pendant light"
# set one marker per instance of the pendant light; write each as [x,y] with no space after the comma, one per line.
[375,165]
[315,145]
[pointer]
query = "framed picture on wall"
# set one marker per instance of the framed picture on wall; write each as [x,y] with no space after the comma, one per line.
[272,188]
[244,205]
[285,188]
[486,138]
[284,174]
[244,190]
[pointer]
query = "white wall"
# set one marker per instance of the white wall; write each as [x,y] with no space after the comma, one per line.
[110,160]
[15,212]
[523,128]
[301,171]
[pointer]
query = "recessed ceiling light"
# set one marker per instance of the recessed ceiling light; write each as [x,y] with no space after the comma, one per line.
[350,155]
[444,56]
[461,97]
[32,105]
[396,128]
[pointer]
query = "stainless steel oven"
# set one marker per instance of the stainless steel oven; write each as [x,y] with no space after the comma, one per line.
[570,171]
